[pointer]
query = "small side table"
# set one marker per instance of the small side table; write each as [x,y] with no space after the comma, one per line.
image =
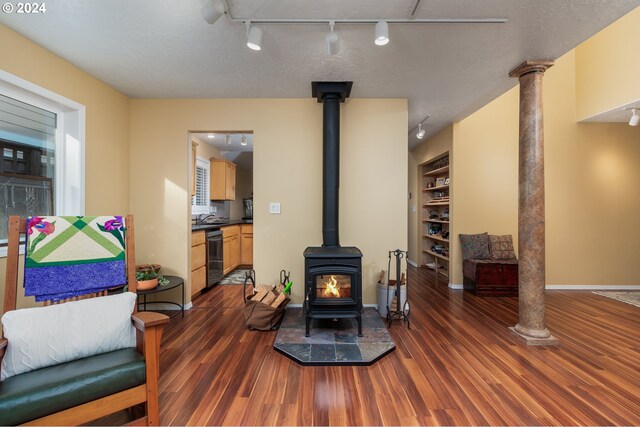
[174,282]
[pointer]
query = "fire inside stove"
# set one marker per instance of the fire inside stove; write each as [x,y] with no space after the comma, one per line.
[333,286]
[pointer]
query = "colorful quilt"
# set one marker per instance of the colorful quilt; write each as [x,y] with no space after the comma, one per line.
[67,256]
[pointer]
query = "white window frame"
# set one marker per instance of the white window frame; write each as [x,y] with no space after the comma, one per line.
[69,191]
[206,164]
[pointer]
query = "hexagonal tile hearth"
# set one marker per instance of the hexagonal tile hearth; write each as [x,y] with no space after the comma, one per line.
[334,342]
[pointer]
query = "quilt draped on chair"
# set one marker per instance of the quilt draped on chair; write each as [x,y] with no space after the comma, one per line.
[67,256]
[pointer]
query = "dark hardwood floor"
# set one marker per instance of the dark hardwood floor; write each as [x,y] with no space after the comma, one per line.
[457,365]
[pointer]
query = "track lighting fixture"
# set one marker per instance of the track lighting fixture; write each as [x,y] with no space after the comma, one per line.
[635,118]
[421,132]
[227,139]
[244,140]
[210,136]
[382,33]
[254,37]
[212,11]
[333,42]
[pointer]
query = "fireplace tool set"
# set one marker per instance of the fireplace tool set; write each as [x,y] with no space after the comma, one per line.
[401,311]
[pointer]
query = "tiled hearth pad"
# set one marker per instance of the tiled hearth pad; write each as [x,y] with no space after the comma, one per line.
[334,342]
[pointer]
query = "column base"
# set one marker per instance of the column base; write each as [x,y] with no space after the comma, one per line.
[550,340]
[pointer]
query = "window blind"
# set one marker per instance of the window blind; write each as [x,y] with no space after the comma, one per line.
[201,199]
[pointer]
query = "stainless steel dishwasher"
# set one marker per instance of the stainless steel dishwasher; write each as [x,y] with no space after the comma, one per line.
[215,258]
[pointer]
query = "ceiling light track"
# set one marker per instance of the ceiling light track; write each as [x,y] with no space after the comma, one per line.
[421,132]
[277,21]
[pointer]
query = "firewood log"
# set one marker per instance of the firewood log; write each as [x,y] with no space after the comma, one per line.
[276,303]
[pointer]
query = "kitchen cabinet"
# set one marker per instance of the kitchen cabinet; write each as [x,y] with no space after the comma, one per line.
[246,244]
[223,180]
[230,248]
[193,170]
[198,262]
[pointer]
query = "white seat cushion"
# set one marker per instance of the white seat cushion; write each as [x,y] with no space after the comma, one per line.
[47,336]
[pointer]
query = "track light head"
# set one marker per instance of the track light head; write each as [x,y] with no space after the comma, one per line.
[635,118]
[382,33]
[244,140]
[254,37]
[333,41]
[212,11]
[211,135]
[421,131]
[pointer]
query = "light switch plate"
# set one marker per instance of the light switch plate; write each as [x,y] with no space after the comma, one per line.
[274,207]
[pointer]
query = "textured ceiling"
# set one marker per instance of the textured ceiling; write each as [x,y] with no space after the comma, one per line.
[164,49]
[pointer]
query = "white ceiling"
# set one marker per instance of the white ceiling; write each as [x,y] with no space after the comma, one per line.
[164,49]
[230,148]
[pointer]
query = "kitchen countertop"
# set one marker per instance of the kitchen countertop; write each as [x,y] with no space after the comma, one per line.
[219,225]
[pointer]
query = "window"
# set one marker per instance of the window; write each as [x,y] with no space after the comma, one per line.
[41,152]
[27,167]
[200,202]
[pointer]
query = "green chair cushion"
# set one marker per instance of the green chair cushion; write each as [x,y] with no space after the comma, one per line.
[45,391]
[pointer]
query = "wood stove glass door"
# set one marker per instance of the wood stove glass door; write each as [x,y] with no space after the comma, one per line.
[332,287]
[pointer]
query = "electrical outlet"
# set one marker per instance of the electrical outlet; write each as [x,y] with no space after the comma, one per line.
[274,207]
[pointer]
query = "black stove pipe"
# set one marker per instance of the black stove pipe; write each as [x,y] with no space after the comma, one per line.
[331,94]
[330,169]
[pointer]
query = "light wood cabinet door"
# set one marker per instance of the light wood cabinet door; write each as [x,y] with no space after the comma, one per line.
[230,231]
[230,184]
[198,256]
[222,180]
[226,255]
[198,280]
[235,251]
[246,243]
[193,172]
[198,238]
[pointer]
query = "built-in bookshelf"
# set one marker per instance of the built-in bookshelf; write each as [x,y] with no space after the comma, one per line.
[436,202]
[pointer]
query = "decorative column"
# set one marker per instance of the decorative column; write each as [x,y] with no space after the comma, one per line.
[531,269]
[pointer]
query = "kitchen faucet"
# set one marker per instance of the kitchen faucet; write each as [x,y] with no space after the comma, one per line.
[200,220]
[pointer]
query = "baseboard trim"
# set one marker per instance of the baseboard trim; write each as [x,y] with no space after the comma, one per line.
[456,287]
[592,287]
[166,307]
[413,263]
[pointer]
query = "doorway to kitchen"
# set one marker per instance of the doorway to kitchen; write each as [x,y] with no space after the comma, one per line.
[221,208]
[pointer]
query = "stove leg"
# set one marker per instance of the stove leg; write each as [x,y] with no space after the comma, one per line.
[307,324]
[359,320]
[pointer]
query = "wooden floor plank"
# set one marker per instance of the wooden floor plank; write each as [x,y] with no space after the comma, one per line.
[458,365]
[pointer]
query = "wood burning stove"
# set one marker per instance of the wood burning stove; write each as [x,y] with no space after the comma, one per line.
[333,274]
[333,284]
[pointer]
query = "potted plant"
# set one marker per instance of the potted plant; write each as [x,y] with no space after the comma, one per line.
[148,278]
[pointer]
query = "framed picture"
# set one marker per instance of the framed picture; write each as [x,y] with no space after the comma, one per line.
[440,182]
[446,181]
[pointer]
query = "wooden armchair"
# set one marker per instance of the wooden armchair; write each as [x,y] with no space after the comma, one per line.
[84,390]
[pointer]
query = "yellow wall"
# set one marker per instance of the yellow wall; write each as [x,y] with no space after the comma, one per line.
[107,122]
[207,151]
[437,145]
[592,172]
[287,169]
[608,65]
[244,188]
[484,174]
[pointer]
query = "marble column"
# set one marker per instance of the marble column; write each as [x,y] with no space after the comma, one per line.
[531,326]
